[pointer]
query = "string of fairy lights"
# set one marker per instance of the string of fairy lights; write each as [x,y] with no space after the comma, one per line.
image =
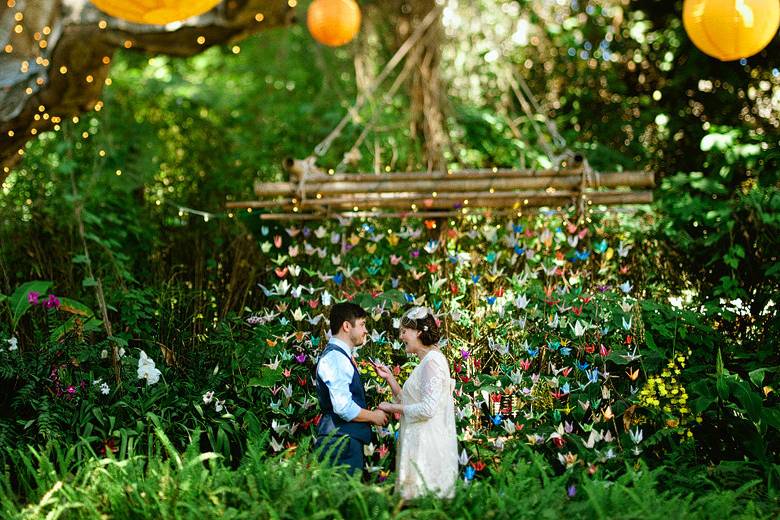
[41,35]
[42,117]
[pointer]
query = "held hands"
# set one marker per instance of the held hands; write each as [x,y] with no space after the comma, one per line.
[379,417]
[390,408]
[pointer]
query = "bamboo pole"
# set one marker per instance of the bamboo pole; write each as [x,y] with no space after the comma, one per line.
[481,200]
[315,174]
[297,167]
[536,200]
[426,200]
[454,183]
[489,212]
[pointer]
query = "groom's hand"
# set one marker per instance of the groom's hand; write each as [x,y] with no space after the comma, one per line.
[379,418]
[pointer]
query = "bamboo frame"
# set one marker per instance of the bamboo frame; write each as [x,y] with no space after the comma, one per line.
[444,192]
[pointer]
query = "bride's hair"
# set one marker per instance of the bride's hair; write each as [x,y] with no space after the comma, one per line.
[420,318]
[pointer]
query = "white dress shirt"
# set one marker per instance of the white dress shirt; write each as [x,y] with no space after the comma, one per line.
[336,371]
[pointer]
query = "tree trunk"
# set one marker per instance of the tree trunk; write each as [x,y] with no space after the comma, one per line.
[425,88]
[55,60]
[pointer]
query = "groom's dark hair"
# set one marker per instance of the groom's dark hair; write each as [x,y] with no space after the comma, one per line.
[345,311]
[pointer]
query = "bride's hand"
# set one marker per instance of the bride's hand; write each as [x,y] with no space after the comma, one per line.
[384,372]
[387,407]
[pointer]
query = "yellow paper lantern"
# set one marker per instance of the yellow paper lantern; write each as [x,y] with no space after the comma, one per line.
[731,29]
[333,22]
[154,12]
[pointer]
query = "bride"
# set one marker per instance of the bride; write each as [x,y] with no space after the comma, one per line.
[427,452]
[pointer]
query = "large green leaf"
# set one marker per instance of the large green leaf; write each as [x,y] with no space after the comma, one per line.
[89,324]
[750,401]
[268,377]
[18,300]
[75,307]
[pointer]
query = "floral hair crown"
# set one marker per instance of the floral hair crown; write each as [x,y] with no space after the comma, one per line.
[418,313]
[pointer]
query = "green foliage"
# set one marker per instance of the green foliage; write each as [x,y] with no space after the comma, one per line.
[168,483]
[625,88]
[19,302]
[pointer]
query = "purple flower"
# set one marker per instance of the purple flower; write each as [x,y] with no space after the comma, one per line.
[465,353]
[300,358]
[415,253]
[32,297]
[71,389]
[571,491]
[52,301]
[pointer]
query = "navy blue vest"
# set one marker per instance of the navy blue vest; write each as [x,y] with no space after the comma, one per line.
[330,420]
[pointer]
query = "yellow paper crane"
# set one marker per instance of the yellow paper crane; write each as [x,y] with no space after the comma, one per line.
[154,12]
[731,29]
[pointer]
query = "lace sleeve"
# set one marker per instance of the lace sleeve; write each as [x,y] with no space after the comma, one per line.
[432,382]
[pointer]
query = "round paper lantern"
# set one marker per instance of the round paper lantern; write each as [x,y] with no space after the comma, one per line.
[731,29]
[155,12]
[333,22]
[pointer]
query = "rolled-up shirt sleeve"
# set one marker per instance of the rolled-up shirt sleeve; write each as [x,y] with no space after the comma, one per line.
[336,372]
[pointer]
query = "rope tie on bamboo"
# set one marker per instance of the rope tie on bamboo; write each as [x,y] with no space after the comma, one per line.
[308,163]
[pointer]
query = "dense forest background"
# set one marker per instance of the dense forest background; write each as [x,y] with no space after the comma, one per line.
[122,209]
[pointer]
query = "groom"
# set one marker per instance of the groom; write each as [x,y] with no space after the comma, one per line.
[346,423]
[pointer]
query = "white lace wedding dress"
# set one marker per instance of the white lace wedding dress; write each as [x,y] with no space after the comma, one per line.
[427,451]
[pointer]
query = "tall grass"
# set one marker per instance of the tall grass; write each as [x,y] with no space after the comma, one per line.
[52,484]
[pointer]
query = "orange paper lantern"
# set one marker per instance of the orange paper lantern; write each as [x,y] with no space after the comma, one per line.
[154,12]
[333,22]
[731,29]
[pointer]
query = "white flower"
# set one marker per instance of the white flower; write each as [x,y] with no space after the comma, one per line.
[626,287]
[147,370]
[219,405]
[521,302]
[104,389]
[207,397]
[13,344]
[121,352]
[326,298]
[103,354]
[396,323]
